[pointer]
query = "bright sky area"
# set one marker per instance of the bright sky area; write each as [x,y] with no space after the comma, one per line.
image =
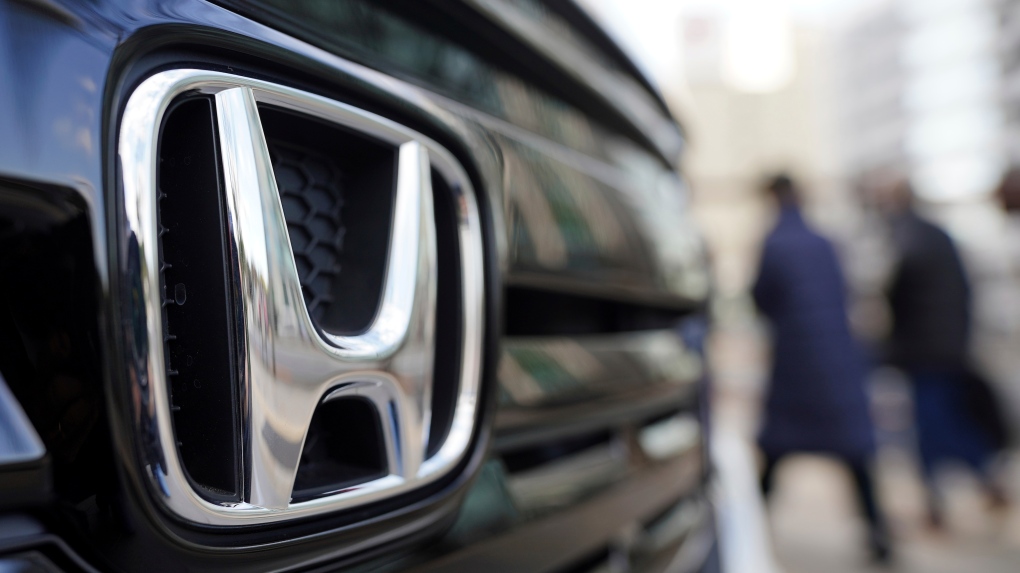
[756,31]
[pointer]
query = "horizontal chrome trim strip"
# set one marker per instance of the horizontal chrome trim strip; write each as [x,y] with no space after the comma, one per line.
[689,553]
[565,536]
[539,371]
[676,245]
[520,428]
[615,88]
[556,386]
[569,283]
[678,524]
[628,236]
[562,481]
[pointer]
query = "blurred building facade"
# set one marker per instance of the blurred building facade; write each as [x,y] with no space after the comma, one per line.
[1008,15]
[869,88]
[740,134]
[919,84]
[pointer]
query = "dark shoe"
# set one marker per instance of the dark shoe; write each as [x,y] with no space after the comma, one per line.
[882,557]
[935,521]
[881,549]
[998,501]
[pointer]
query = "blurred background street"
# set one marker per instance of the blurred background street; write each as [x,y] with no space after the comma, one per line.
[837,92]
[813,523]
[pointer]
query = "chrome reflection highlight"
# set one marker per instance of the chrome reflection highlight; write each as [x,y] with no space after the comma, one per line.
[566,480]
[544,371]
[288,365]
[19,442]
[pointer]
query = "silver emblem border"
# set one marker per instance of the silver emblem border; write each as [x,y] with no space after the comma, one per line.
[137,153]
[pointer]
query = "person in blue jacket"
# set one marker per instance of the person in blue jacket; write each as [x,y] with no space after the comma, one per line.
[816,401]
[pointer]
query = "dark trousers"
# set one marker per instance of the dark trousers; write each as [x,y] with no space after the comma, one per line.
[945,428]
[878,534]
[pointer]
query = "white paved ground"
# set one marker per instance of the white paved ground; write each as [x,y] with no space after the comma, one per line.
[815,527]
[812,525]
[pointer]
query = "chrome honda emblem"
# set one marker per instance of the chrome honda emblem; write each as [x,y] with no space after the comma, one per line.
[290,367]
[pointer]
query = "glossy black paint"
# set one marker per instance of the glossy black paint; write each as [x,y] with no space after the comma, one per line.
[71,68]
[50,338]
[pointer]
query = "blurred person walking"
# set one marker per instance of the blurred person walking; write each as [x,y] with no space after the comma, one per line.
[1008,190]
[930,301]
[816,401]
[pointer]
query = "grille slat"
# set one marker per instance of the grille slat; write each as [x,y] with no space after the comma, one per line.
[197,340]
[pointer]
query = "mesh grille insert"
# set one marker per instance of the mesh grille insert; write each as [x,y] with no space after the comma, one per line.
[337,190]
[311,191]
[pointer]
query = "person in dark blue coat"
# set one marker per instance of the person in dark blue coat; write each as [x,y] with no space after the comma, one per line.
[816,401]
